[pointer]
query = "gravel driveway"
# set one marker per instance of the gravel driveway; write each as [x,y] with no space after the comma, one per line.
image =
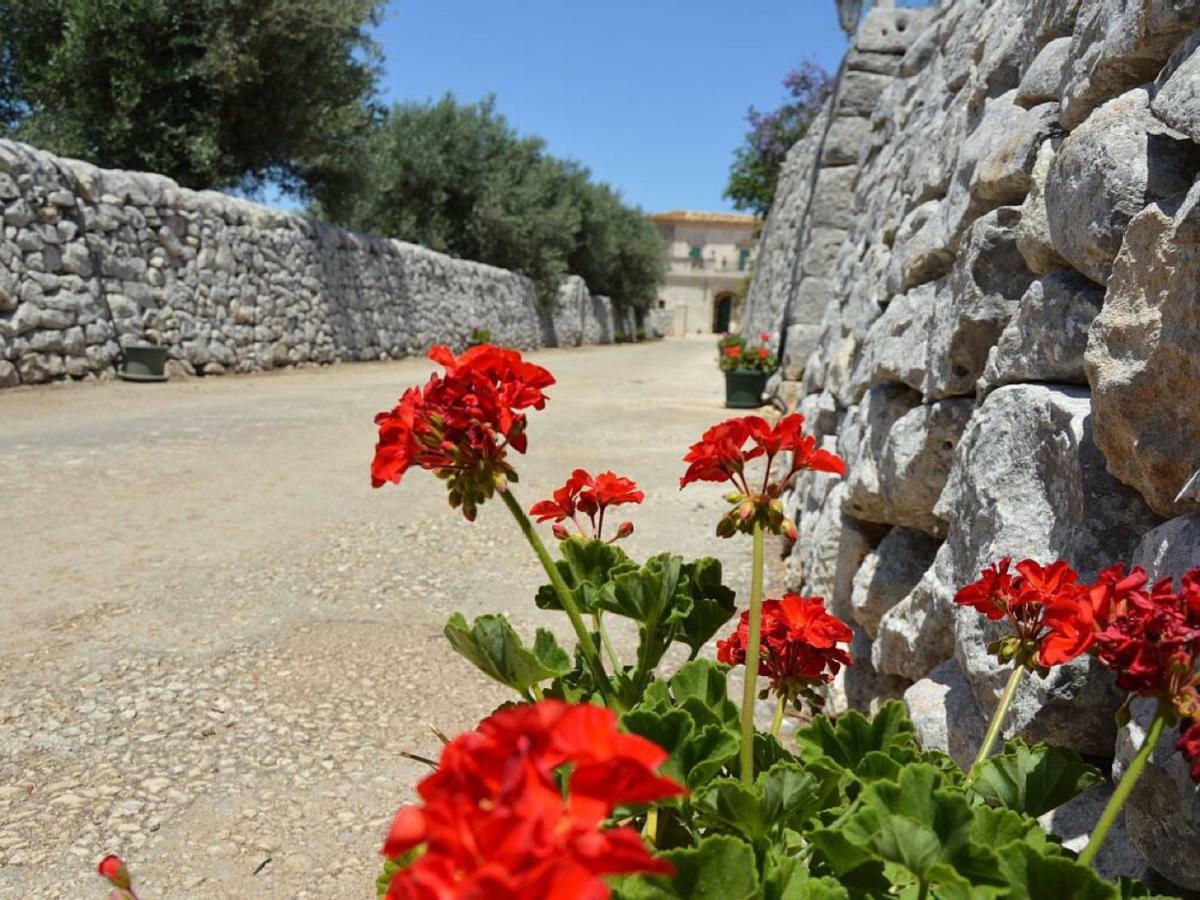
[217,640]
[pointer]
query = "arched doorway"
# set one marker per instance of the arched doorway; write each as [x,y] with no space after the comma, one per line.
[722,312]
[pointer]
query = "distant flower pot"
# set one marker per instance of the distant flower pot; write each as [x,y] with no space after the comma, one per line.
[744,388]
[144,362]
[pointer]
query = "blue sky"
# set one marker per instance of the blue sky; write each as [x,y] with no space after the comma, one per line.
[651,95]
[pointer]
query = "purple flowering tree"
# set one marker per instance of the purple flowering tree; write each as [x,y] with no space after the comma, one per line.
[757,162]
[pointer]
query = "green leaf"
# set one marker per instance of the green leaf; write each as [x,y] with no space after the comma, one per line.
[701,687]
[697,755]
[992,827]
[787,878]
[713,604]
[791,794]
[1033,780]
[910,844]
[588,567]
[392,866]
[718,868]
[498,651]
[1037,876]
[732,804]
[853,737]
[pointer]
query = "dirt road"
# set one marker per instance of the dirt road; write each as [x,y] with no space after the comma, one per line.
[217,639]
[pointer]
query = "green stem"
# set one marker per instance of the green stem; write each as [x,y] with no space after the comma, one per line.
[566,598]
[778,721]
[604,639]
[1125,788]
[752,649]
[651,830]
[1001,713]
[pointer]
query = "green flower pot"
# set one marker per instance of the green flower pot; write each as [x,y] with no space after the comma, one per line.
[144,362]
[744,388]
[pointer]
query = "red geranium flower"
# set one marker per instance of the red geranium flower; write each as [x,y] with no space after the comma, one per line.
[1153,640]
[496,822]
[1074,620]
[722,454]
[798,644]
[733,351]
[1045,605]
[1189,745]
[764,337]
[462,422]
[583,494]
[112,869]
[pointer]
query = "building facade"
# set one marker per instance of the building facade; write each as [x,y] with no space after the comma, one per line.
[709,255]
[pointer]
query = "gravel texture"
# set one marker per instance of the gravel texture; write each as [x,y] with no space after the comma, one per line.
[218,641]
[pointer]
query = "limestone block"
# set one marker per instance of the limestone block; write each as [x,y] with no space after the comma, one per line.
[1171,549]
[800,342]
[889,30]
[1177,97]
[985,287]
[1041,80]
[1106,172]
[1051,19]
[916,462]
[1119,44]
[858,92]
[1163,814]
[861,444]
[845,140]
[1033,230]
[1073,823]
[945,715]
[9,376]
[922,249]
[1028,481]
[1142,361]
[860,686]
[1013,135]
[811,298]
[821,251]
[897,346]
[879,63]
[8,291]
[889,574]
[833,546]
[833,199]
[917,634]
[1047,338]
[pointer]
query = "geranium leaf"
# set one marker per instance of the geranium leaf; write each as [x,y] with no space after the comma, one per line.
[697,754]
[1033,780]
[720,867]
[849,741]
[705,682]
[712,606]
[498,651]
[910,844]
[730,803]
[786,878]
[1038,876]
[792,795]
[587,567]
[992,827]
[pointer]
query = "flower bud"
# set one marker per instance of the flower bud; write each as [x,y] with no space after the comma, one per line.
[789,530]
[560,531]
[112,868]
[746,510]
[624,530]
[734,497]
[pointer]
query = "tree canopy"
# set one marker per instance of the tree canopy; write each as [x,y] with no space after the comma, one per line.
[757,163]
[214,93]
[459,179]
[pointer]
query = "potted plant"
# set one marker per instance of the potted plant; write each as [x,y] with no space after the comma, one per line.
[747,368]
[479,335]
[145,360]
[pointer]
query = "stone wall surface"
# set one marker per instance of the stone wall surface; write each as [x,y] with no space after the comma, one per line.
[92,259]
[982,265]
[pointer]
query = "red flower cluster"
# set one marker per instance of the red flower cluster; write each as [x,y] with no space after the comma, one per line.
[496,822]
[722,454]
[462,422]
[1039,602]
[798,644]
[1149,637]
[583,494]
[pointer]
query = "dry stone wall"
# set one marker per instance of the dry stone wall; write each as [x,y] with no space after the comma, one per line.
[983,267]
[93,259]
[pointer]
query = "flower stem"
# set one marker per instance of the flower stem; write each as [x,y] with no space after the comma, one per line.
[1001,713]
[566,598]
[778,721]
[604,639]
[651,830]
[752,650]
[1125,788]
